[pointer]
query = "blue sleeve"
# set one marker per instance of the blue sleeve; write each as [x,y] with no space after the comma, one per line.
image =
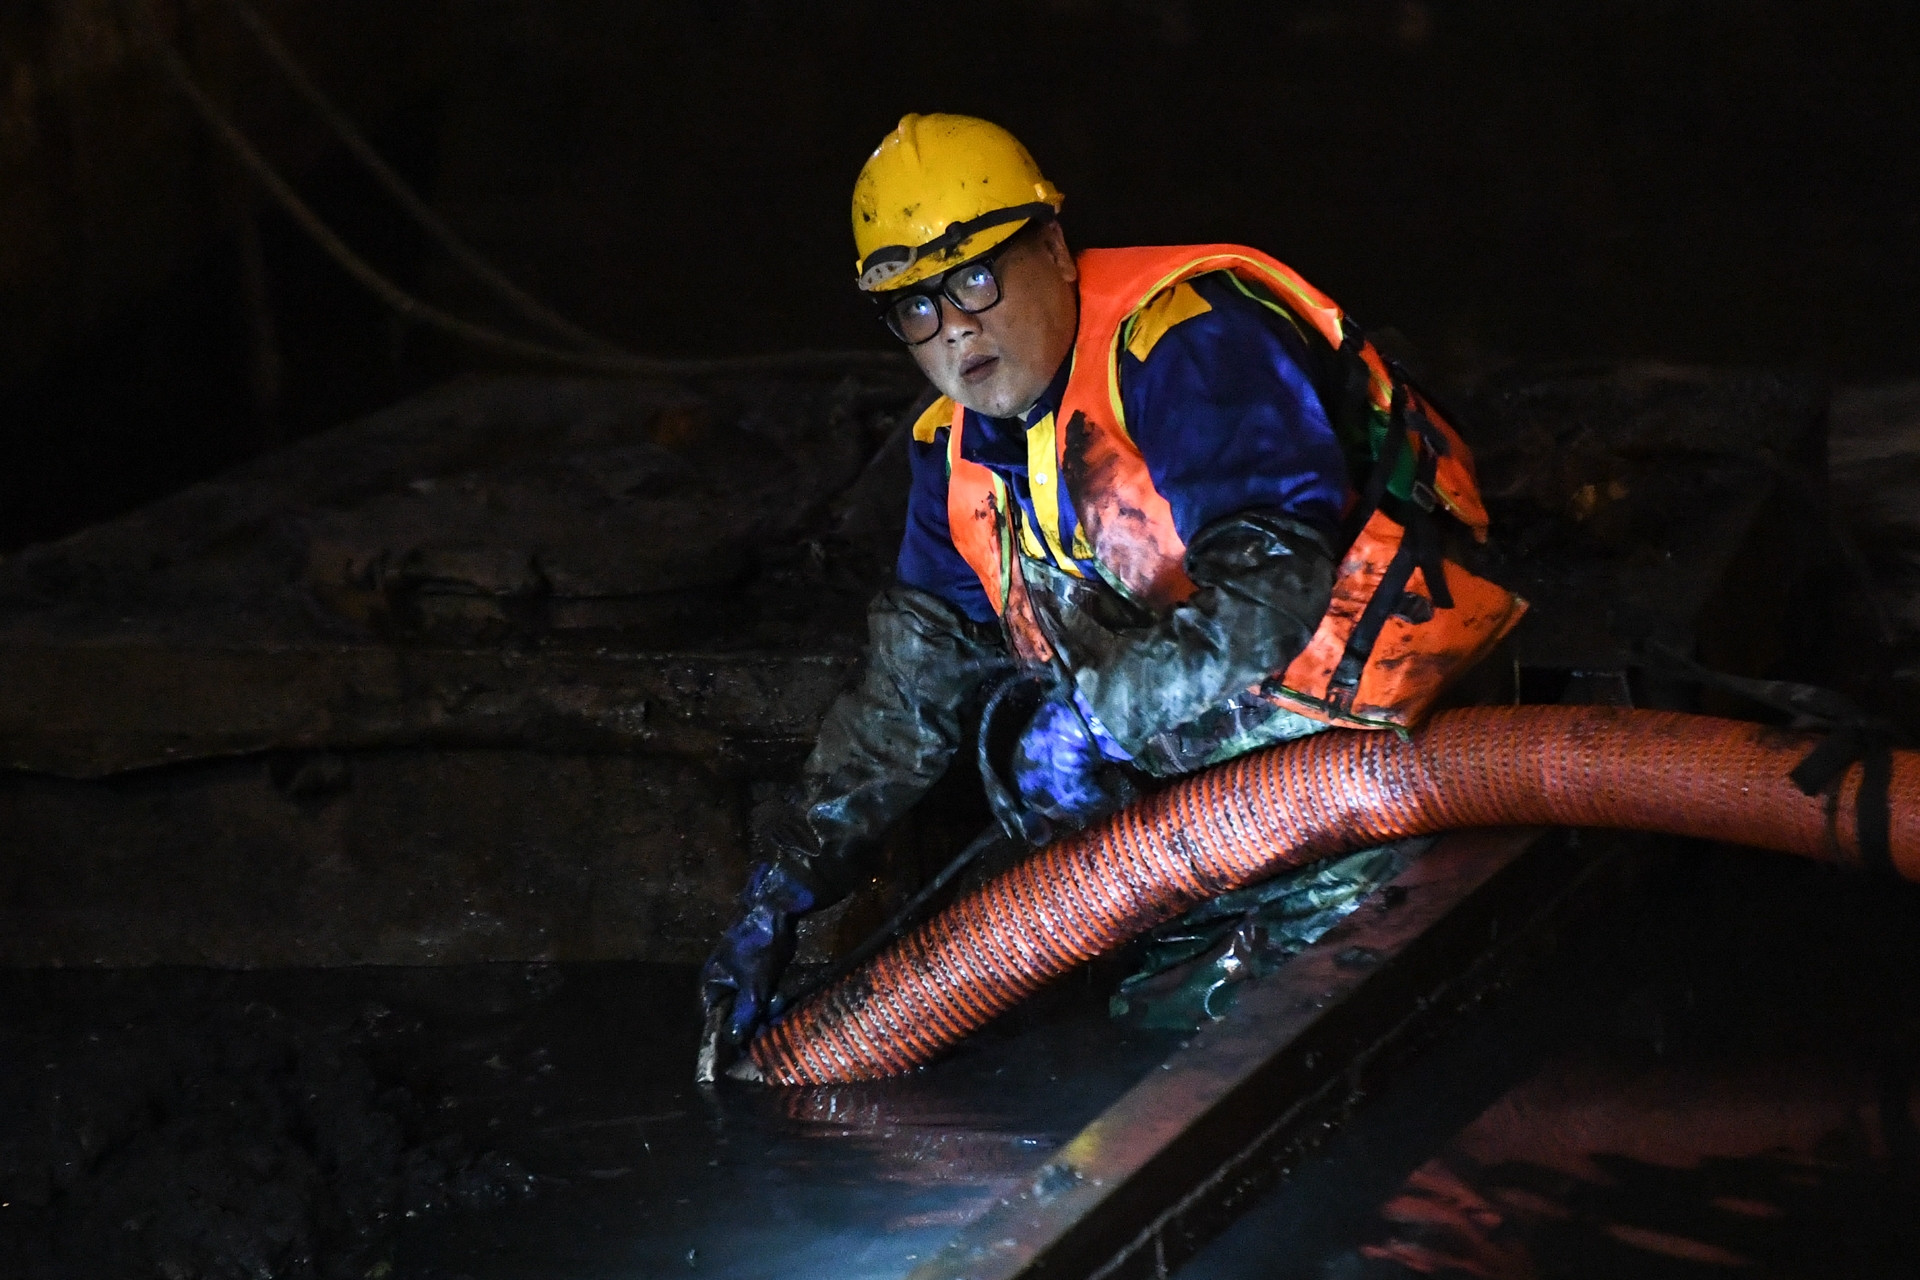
[928,558]
[1227,419]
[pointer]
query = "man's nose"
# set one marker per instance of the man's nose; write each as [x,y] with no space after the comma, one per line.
[955,324]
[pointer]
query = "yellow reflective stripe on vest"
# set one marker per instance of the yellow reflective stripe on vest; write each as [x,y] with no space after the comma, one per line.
[1266,300]
[1029,545]
[935,416]
[1043,485]
[1144,329]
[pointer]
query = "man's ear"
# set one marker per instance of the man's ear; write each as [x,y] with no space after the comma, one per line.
[1056,242]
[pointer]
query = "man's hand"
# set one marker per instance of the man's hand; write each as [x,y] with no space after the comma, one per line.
[739,978]
[1066,769]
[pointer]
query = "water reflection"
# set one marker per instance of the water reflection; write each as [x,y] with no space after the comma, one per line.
[1801,1168]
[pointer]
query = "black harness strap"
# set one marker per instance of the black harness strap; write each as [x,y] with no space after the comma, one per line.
[1824,767]
[1375,490]
[1344,382]
[1419,549]
[1360,641]
[1852,736]
[1423,423]
[1424,532]
[1420,546]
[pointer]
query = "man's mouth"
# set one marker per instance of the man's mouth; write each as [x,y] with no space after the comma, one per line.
[977,368]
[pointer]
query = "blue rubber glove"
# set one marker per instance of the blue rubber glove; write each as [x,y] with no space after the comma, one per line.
[740,976]
[1063,766]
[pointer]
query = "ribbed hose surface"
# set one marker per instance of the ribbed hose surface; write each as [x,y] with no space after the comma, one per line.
[1239,823]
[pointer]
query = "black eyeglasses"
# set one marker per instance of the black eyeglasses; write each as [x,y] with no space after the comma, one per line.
[973,287]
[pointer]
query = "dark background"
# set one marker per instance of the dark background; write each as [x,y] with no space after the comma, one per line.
[1731,183]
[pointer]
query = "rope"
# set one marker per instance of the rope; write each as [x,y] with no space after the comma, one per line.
[405,304]
[360,149]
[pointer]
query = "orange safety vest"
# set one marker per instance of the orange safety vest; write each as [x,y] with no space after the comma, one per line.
[1389,642]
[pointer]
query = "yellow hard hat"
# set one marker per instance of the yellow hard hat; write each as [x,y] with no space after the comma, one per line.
[938,190]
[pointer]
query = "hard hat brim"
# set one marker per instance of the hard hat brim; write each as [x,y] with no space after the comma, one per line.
[932,264]
[901,266]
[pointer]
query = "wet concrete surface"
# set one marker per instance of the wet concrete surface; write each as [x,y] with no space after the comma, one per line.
[489,676]
[1721,1075]
[494,1123]
[188,1124]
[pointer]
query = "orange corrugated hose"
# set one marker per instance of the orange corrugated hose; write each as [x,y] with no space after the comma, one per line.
[1243,821]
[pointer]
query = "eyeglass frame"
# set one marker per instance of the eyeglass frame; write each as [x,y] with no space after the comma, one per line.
[936,289]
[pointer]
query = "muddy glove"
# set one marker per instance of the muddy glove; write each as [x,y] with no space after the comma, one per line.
[739,978]
[1173,691]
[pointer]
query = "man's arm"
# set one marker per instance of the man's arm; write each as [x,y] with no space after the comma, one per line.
[1226,417]
[931,640]
[888,739]
[883,743]
[1263,583]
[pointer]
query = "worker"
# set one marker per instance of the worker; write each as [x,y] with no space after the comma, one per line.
[1175,489]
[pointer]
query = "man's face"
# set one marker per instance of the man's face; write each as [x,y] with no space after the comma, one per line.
[999,361]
